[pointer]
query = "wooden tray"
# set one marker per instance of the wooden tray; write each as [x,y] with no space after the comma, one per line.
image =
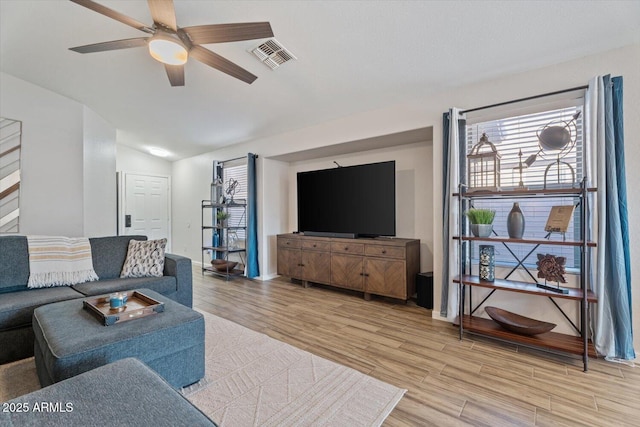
[138,305]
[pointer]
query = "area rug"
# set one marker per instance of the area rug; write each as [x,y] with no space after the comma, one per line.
[254,380]
[18,378]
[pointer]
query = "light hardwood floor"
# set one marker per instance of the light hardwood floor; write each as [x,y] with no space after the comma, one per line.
[450,382]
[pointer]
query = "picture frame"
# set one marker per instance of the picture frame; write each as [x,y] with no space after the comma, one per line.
[559,219]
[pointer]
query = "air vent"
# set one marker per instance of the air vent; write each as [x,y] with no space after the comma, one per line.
[272,54]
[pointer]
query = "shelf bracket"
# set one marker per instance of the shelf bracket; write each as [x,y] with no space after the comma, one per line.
[565,316]
[521,262]
[482,302]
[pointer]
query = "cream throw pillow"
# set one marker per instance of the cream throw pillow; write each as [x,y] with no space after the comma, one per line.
[145,258]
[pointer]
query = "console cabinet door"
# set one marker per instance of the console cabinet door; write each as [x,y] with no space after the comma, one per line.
[316,266]
[347,271]
[385,277]
[289,261]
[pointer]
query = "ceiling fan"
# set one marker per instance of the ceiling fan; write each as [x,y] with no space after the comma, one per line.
[173,45]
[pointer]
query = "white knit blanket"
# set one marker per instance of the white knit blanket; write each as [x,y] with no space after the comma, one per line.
[59,261]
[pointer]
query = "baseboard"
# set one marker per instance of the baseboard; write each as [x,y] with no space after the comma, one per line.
[437,316]
[262,278]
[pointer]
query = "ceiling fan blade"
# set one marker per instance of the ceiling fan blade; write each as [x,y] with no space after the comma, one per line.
[163,13]
[219,63]
[112,45]
[114,15]
[175,74]
[221,33]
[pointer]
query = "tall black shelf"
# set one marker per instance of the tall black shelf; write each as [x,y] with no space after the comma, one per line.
[224,231]
[550,341]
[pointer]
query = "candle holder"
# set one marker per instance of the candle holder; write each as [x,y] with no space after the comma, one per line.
[519,170]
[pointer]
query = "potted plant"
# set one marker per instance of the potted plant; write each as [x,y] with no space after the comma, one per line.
[481,221]
[222,217]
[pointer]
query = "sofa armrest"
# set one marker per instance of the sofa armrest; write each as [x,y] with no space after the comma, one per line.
[180,268]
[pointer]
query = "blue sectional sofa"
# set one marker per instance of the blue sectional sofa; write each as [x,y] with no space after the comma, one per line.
[123,393]
[17,301]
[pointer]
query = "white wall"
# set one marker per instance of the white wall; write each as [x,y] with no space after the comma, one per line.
[191,183]
[422,113]
[51,193]
[275,193]
[68,162]
[134,161]
[99,176]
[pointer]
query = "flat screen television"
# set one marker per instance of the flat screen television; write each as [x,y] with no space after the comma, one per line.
[351,201]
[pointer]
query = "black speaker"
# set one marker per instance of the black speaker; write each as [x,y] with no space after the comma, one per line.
[424,288]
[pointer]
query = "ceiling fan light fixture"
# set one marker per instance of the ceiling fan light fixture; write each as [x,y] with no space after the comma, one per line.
[168,48]
[172,45]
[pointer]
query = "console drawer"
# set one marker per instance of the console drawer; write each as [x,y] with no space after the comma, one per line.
[385,251]
[347,248]
[289,243]
[316,245]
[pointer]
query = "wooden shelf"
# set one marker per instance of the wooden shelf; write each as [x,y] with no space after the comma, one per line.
[218,227]
[557,192]
[525,288]
[547,341]
[222,249]
[223,205]
[234,272]
[527,241]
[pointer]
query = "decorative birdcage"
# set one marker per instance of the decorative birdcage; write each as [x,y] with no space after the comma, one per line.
[483,166]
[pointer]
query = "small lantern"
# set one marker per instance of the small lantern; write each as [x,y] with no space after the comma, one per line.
[484,166]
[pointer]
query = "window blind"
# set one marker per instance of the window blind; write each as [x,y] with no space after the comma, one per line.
[238,215]
[515,134]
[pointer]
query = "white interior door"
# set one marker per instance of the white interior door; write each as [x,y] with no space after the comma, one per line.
[146,208]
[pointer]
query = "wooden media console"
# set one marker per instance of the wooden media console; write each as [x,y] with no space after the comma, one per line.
[380,266]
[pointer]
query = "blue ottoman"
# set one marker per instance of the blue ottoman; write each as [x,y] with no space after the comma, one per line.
[69,341]
[123,393]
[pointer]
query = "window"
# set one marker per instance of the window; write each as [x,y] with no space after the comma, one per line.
[236,171]
[515,134]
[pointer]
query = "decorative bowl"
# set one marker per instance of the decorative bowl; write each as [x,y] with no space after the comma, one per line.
[518,324]
[223,265]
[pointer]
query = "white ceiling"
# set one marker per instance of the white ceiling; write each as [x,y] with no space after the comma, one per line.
[353,56]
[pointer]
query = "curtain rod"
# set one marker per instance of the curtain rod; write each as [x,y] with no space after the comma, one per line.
[525,99]
[236,158]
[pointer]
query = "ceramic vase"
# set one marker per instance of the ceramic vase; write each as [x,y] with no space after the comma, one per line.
[515,222]
[487,263]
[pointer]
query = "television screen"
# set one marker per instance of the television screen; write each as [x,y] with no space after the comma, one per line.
[358,200]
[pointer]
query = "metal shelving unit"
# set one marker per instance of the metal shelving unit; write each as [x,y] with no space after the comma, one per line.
[550,341]
[224,248]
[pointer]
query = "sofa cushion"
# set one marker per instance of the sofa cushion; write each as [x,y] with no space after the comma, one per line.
[162,285]
[144,258]
[109,253]
[14,263]
[16,308]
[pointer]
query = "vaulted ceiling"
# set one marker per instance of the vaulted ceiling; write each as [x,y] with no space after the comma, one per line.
[353,56]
